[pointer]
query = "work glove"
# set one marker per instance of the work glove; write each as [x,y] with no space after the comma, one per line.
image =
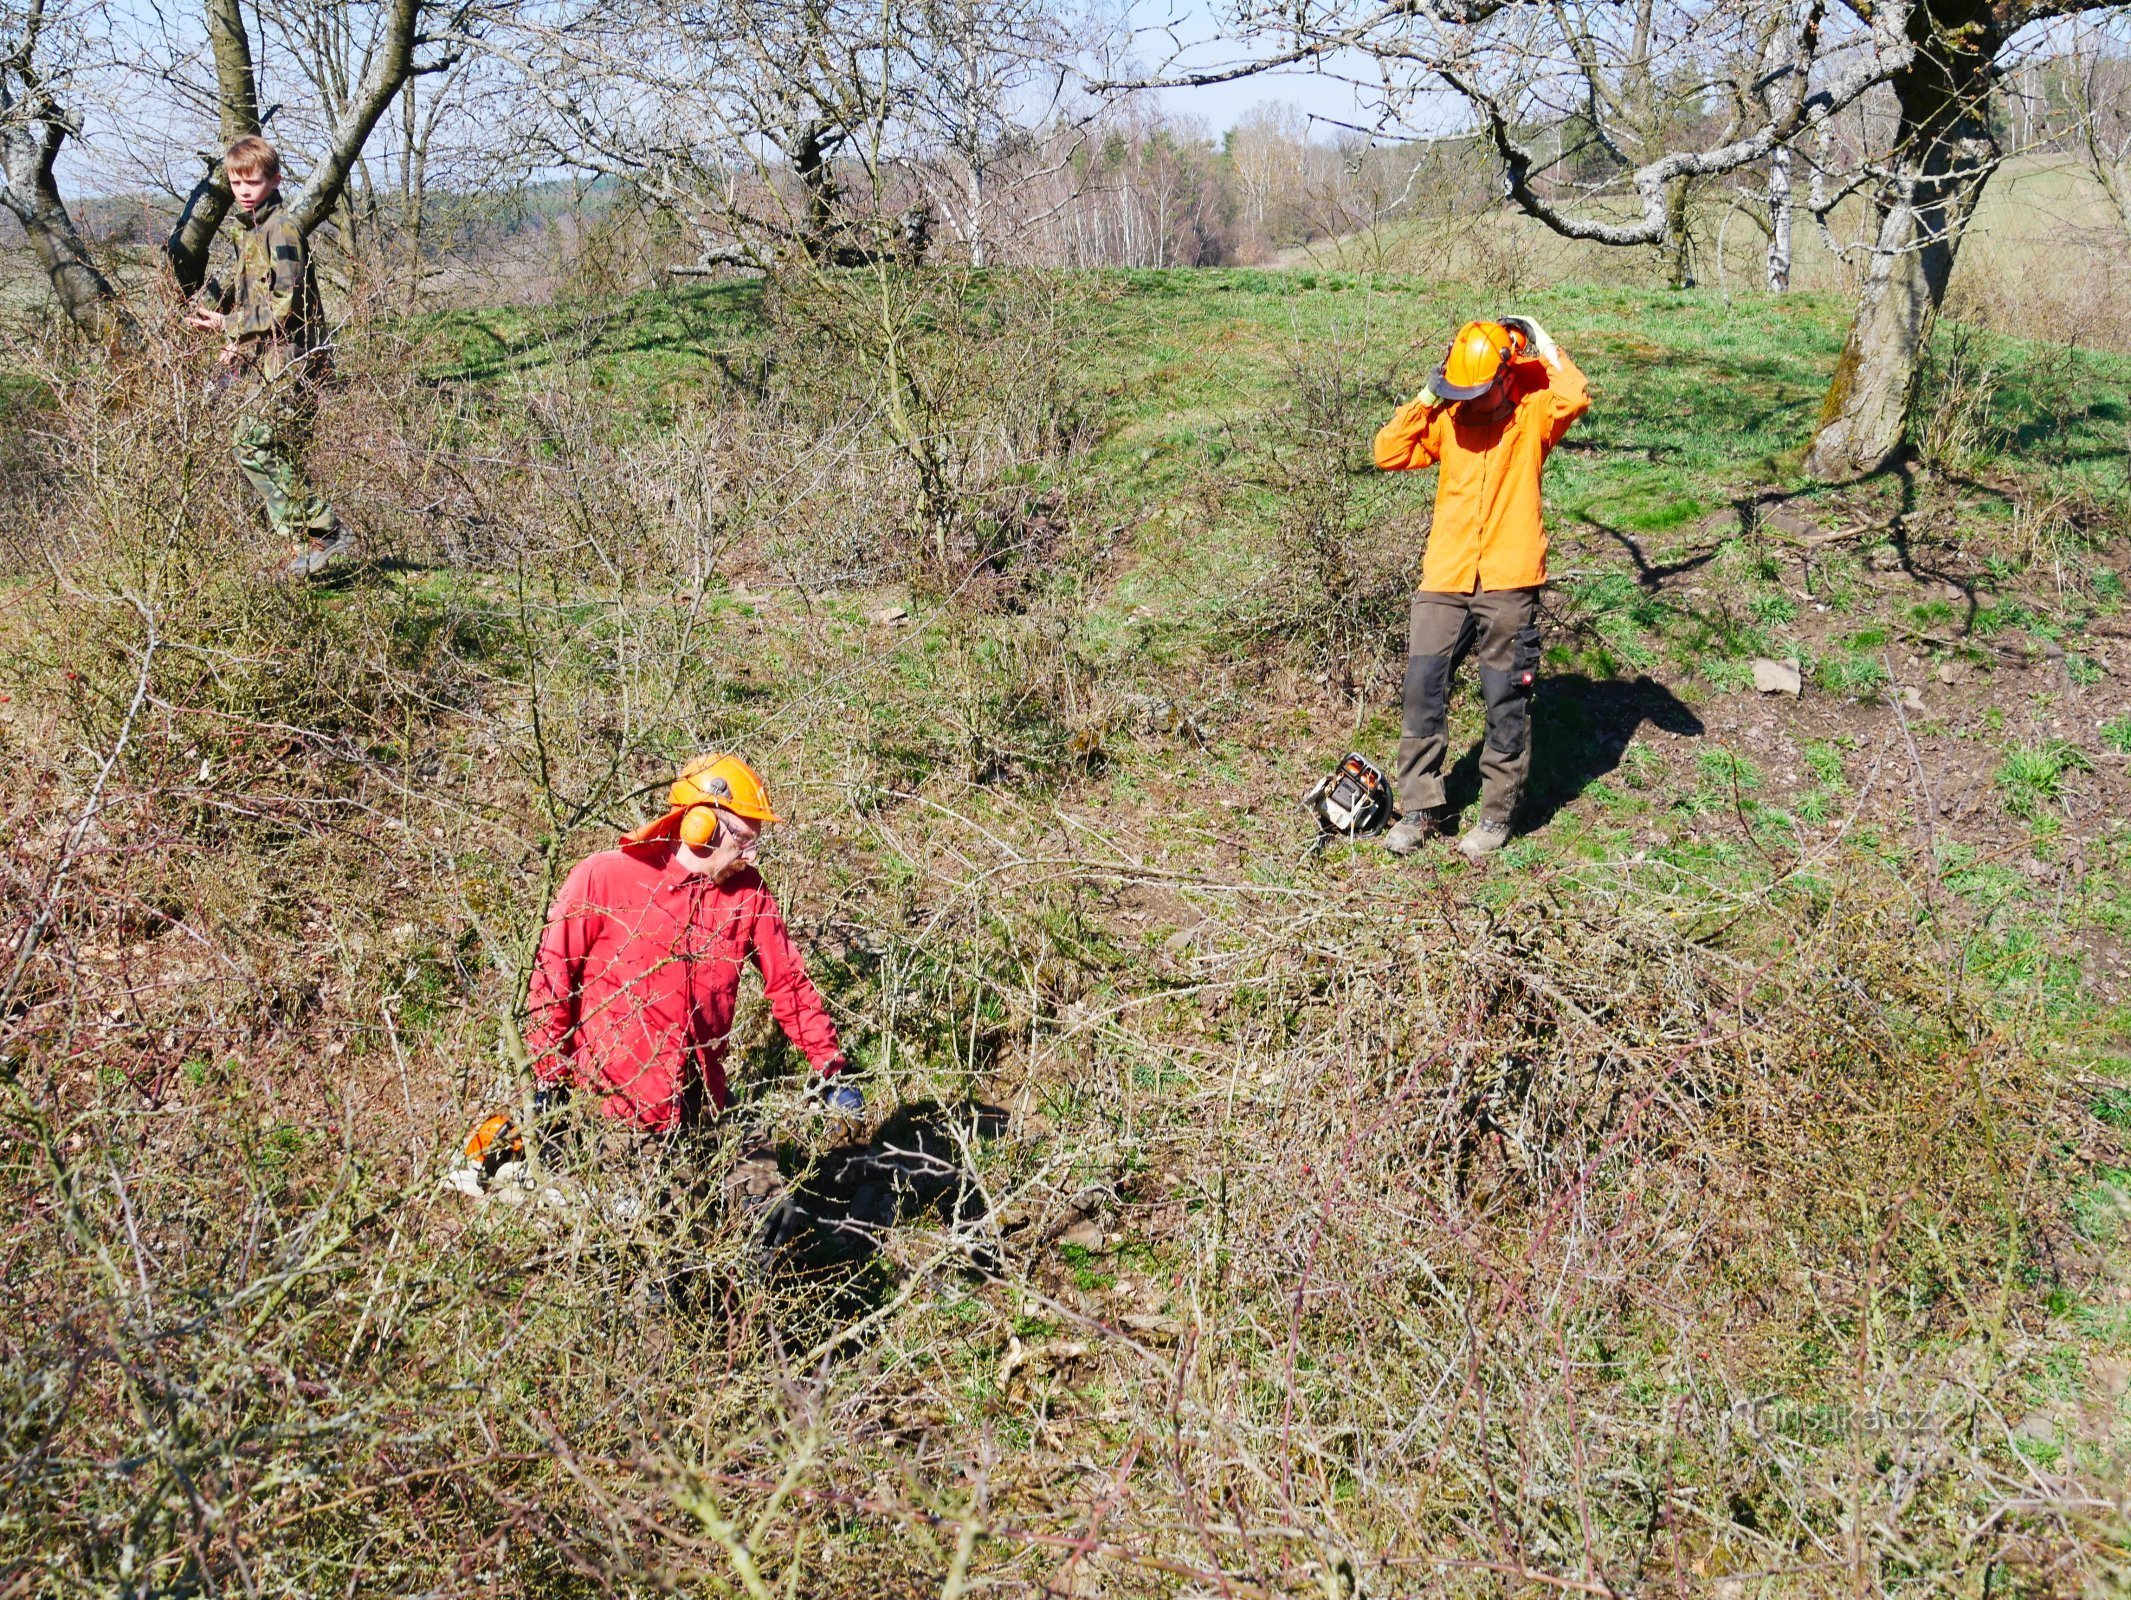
[1538,338]
[841,1097]
[1428,396]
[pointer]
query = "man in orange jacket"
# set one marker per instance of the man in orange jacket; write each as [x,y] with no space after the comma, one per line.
[1502,398]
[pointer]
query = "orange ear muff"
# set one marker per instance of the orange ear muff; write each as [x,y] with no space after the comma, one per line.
[699,825]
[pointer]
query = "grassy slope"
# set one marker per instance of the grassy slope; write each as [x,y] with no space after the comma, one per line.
[1697,397]
[1194,1018]
[1699,404]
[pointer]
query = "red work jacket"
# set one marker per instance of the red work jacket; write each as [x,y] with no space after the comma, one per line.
[638,973]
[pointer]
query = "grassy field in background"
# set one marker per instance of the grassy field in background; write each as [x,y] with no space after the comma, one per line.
[2044,255]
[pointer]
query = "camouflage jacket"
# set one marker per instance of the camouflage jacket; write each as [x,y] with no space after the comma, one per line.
[271,306]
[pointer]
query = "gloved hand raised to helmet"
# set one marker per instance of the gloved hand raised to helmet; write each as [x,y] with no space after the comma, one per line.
[1538,338]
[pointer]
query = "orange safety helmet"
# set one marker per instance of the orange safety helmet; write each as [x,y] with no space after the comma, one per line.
[1476,355]
[706,786]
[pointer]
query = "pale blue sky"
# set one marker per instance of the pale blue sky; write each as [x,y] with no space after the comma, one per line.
[1198,24]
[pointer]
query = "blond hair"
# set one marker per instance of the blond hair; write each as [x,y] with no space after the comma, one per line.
[251,156]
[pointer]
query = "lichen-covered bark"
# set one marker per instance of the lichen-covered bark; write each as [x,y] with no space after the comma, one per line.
[1944,154]
[78,284]
[30,142]
[34,125]
[1679,271]
[237,91]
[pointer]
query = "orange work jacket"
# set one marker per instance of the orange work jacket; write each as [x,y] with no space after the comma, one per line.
[1486,533]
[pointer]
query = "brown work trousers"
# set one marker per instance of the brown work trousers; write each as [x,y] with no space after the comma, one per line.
[1502,627]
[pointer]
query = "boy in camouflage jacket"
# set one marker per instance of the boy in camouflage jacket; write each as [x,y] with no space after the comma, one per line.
[269,317]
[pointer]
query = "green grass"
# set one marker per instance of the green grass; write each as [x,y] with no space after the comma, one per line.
[1856,673]
[1694,397]
[2031,778]
[1824,760]
[1722,769]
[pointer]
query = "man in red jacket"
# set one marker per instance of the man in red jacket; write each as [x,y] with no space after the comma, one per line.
[638,974]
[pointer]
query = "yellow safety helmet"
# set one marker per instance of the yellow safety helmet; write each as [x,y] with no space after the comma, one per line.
[1476,355]
[707,785]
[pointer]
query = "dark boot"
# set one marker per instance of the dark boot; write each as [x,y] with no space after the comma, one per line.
[321,551]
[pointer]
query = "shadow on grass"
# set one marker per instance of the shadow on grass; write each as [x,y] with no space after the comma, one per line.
[911,1169]
[1652,576]
[817,1258]
[1581,727]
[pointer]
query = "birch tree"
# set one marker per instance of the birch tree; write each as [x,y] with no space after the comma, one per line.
[989,80]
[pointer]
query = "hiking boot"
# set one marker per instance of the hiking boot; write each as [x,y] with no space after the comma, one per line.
[1484,840]
[1412,831]
[322,551]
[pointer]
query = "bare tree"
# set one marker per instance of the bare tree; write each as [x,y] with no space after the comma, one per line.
[36,46]
[1281,177]
[2096,86]
[825,129]
[1943,152]
[237,103]
[990,74]
[1780,86]
[360,58]
[1521,66]
[731,116]
[441,125]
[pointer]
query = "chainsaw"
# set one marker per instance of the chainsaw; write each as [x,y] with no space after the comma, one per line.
[1353,799]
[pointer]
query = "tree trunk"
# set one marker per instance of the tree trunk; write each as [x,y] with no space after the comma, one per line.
[1679,265]
[1779,219]
[975,231]
[33,126]
[1944,154]
[31,192]
[817,183]
[192,240]
[414,191]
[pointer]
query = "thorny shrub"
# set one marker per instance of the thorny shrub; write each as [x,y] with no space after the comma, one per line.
[1344,570]
[964,377]
[1216,1234]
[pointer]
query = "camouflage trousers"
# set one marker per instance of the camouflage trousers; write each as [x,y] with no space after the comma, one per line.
[273,427]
